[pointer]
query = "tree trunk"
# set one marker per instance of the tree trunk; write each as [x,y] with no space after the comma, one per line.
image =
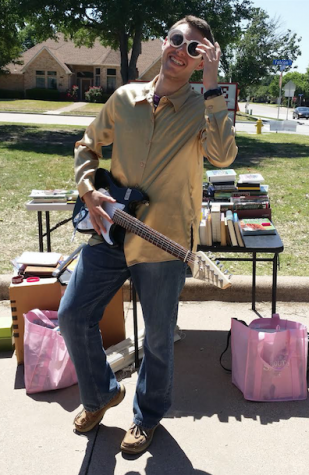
[123,46]
[136,51]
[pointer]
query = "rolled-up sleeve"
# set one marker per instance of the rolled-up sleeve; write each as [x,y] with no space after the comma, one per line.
[88,150]
[218,135]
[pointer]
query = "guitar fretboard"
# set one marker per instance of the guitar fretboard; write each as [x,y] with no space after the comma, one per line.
[146,232]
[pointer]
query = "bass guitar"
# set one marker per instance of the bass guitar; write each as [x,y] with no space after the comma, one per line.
[121,212]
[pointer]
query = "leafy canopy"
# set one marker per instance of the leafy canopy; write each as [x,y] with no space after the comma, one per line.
[124,24]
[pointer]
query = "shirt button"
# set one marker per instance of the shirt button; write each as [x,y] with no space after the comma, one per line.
[142,164]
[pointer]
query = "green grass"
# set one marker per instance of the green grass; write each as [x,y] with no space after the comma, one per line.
[32,106]
[33,156]
[89,109]
[27,105]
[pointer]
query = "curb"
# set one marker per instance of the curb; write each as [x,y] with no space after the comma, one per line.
[289,289]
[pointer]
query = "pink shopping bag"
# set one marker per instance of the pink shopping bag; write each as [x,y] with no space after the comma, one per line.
[46,359]
[269,359]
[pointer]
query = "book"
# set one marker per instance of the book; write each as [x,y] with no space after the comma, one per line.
[208,229]
[237,231]
[222,230]
[39,271]
[254,213]
[52,196]
[222,175]
[256,226]
[230,223]
[215,222]
[47,259]
[250,178]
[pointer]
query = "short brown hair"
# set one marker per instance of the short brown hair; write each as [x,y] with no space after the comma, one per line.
[197,23]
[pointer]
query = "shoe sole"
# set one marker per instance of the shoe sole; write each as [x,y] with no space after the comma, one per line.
[108,406]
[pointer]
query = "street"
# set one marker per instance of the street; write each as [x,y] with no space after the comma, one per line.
[258,110]
[270,111]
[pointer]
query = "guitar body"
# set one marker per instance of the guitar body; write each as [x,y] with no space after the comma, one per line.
[122,213]
[127,199]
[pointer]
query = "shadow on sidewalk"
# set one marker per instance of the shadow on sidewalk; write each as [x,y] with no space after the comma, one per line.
[163,456]
[203,389]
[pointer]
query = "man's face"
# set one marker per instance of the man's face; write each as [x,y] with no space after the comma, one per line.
[176,63]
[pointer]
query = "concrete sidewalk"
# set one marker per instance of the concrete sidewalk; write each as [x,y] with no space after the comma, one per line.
[210,428]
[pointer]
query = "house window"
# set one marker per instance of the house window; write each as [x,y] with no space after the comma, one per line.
[40,79]
[97,77]
[111,80]
[52,79]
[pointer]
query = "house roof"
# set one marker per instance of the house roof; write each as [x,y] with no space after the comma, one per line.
[67,54]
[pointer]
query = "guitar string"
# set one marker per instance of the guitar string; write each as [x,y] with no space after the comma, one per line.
[153,236]
[149,234]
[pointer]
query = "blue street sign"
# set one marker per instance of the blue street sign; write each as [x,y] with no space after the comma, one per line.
[282,62]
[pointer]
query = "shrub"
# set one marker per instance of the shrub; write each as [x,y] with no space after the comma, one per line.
[72,94]
[7,94]
[94,94]
[43,94]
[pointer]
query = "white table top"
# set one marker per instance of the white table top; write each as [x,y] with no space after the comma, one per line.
[49,206]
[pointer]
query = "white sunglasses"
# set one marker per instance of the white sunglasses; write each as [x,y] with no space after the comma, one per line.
[176,39]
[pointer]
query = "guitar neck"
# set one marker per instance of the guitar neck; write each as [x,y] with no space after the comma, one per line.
[157,239]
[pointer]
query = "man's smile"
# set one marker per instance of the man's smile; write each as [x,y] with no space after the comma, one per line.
[174,60]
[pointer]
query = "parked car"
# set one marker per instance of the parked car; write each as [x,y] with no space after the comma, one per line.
[301,113]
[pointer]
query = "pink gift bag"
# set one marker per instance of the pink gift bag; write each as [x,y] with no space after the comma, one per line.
[269,359]
[46,359]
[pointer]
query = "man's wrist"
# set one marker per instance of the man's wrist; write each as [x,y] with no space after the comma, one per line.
[210,93]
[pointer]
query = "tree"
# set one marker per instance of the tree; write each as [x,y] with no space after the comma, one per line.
[10,47]
[250,59]
[301,82]
[124,24]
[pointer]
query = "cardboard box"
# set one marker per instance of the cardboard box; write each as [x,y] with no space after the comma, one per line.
[45,295]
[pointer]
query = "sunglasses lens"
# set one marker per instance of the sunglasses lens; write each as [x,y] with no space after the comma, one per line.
[176,39]
[192,49]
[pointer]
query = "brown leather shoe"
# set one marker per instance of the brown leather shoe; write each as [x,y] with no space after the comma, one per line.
[137,439]
[85,420]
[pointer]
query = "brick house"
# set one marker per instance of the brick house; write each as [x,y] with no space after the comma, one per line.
[60,65]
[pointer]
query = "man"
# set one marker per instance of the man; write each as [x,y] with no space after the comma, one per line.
[160,133]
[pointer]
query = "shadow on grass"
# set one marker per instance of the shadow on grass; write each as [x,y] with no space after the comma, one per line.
[252,150]
[61,141]
[29,138]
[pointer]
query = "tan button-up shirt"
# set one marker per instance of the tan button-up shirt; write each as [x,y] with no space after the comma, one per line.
[161,151]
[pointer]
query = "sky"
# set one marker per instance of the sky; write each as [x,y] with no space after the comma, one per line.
[294,16]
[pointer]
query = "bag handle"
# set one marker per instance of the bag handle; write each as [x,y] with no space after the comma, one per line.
[228,370]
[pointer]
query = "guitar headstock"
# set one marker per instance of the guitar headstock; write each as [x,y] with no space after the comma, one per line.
[205,269]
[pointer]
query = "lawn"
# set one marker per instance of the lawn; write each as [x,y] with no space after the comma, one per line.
[27,105]
[32,106]
[33,156]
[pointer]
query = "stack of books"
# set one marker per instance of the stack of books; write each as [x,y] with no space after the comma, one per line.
[53,196]
[227,205]
[251,198]
[221,184]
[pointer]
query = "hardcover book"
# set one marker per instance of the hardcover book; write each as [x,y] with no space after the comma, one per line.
[231,228]
[256,226]
[237,230]
[250,178]
[221,176]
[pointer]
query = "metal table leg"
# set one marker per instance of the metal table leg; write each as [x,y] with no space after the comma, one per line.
[47,221]
[253,279]
[274,289]
[40,228]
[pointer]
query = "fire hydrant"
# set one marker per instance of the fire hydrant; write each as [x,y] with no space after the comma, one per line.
[259,124]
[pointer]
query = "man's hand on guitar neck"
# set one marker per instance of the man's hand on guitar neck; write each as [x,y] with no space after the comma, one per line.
[94,200]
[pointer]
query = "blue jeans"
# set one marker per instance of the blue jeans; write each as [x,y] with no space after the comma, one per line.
[99,274]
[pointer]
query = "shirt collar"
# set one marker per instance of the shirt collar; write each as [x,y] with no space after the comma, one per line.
[178,98]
